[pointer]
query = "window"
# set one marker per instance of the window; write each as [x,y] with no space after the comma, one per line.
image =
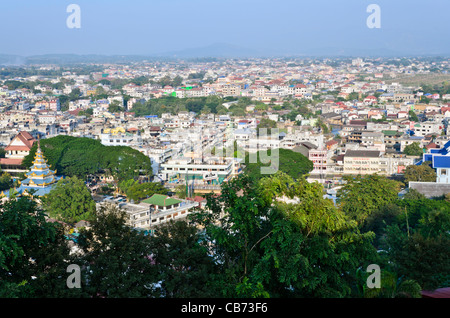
[444,172]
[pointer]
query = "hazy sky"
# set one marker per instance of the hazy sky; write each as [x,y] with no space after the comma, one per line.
[286,26]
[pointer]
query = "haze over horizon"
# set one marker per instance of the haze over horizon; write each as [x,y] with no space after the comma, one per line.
[259,27]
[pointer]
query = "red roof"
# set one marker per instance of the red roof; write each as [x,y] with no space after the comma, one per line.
[199,199]
[331,142]
[18,148]
[8,161]
[75,112]
[431,145]
[26,138]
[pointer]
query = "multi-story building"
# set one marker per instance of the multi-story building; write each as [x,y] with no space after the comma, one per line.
[320,159]
[211,170]
[163,209]
[428,128]
[361,162]
[372,139]
[392,139]
[52,104]
[119,137]
[231,90]
[394,164]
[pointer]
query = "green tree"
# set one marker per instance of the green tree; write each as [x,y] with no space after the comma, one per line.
[281,238]
[290,162]
[70,201]
[183,263]
[73,156]
[180,190]
[267,124]
[433,252]
[413,116]
[392,286]
[413,149]
[382,216]
[420,232]
[235,223]
[315,248]
[117,261]
[322,126]
[6,181]
[362,195]
[422,173]
[139,191]
[34,253]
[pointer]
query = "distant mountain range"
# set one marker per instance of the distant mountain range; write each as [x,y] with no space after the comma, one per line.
[216,50]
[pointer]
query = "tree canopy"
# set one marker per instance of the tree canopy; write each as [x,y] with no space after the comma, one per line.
[413,149]
[268,237]
[290,162]
[137,191]
[361,195]
[281,238]
[70,201]
[74,156]
[33,252]
[421,173]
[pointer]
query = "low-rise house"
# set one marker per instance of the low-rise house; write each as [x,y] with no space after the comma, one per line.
[163,209]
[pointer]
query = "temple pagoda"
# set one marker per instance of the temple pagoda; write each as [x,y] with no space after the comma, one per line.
[40,179]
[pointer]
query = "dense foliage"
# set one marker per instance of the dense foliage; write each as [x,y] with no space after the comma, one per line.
[413,149]
[137,191]
[281,238]
[33,252]
[361,195]
[6,181]
[69,201]
[290,162]
[268,237]
[413,232]
[73,156]
[421,173]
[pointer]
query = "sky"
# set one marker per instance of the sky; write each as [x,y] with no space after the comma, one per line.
[141,27]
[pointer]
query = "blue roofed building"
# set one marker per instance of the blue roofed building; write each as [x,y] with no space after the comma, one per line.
[442,165]
[440,161]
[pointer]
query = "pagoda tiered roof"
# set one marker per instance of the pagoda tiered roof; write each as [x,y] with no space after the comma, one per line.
[40,179]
